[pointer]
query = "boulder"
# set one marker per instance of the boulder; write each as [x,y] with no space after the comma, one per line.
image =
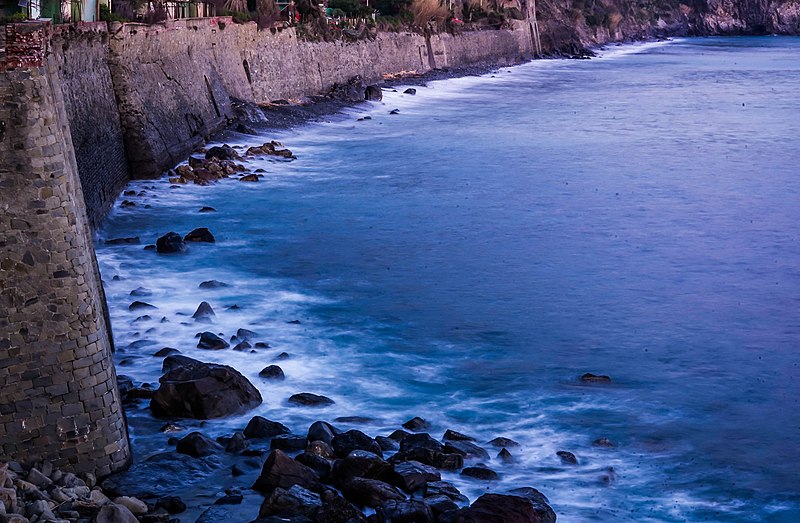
[370,492]
[259,427]
[307,399]
[198,445]
[200,235]
[170,243]
[413,475]
[113,513]
[505,456]
[482,473]
[236,443]
[224,152]
[373,93]
[440,504]
[135,505]
[361,464]
[595,378]
[412,511]
[321,449]
[204,310]
[500,508]
[293,501]
[321,431]
[466,449]
[451,435]
[336,509]
[272,372]
[210,341]
[213,284]
[140,305]
[567,458]
[318,464]
[289,442]
[280,470]
[166,351]
[249,178]
[416,424]
[172,504]
[410,91]
[193,389]
[387,443]
[420,441]
[345,443]
[503,442]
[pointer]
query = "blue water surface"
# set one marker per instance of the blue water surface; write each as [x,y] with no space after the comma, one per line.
[468,259]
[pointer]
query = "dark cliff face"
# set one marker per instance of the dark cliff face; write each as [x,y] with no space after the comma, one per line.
[568,26]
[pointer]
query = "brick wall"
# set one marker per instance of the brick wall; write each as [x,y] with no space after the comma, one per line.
[59,398]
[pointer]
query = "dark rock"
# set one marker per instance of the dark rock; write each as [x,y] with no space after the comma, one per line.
[353,419]
[503,442]
[200,235]
[282,471]
[193,389]
[410,91]
[318,464]
[224,152]
[361,464]
[140,292]
[440,504]
[336,509]
[345,443]
[282,356]
[123,241]
[320,448]
[420,441]
[398,435]
[207,209]
[166,351]
[446,461]
[413,475]
[198,445]
[603,442]
[321,431]
[113,513]
[595,378]
[243,346]
[249,178]
[294,501]
[125,384]
[567,457]
[236,471]
[244,334]
[370,492]
[259,427]
[170,243]
[288,442]
[499,508]
[466,449]
[373,93]
[210,341]
[352,91]
[387,443]
[394,111]
[482,473]
[172,504]
[230,499]
[412,511]
[451,435]
[272,372]
[245,129]
[204,310]
[140,305]
[236,443]
[416,424]
[262,345]
[160,475]
[213,284]
[171,427]
[307,399]
[505,456]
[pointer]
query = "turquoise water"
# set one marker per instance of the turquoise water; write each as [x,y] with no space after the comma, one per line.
[467,259]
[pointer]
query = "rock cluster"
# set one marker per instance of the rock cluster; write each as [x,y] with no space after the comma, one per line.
[221,162]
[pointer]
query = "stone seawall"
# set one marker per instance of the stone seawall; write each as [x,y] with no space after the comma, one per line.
[60,400]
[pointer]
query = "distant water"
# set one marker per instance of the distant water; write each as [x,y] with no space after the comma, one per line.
[467,259]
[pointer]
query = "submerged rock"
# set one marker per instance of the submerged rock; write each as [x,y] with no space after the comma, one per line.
[201,234]
[345,443]
[272,372]
[307,399]
[194,389]
[567,457]
[595,378]
[198,445]
[210,341]
[280,470]
[170,243]
[204,311]
[416,424]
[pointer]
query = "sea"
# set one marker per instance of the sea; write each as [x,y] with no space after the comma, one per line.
[468,258]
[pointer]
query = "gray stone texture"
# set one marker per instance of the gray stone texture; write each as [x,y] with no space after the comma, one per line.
[60,400]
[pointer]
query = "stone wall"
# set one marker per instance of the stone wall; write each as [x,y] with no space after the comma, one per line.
[59,400]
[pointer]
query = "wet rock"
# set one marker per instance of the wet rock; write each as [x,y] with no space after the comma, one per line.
[440,504]
[361,464]
[262,345]
[193,389]
[416,424]
[213,284]
[170,243]
[198,445]
[140,292]
[466,449]
[321,431]
[172,504]
[413,475]
[204,311]
[394,111]
[505,456]
[207,209]
[230,499]
[410,91]
[604,443]
[412,511]
[387,443]
[200,235]
[171,427]
[166,351]
[282,356]
[420,441]
[294,501]
[210,341]
[123,241]
[249,178]
[259,427]
[595,378]
[280,470]
[307,399]
[135,505]
[245,334]
[370,492]
[451,435]
[242,346]
[345,443]
[352,91]
[160,475]
[140,305]
[500,508]
[318,464]
[236,443]
[113,513]
[336,509]
[482,473]
[398,435]
[320,448]
[503,442]
[288,442]
[567,458]
[224,152]
[373,93]
[245,129]
[272,372]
